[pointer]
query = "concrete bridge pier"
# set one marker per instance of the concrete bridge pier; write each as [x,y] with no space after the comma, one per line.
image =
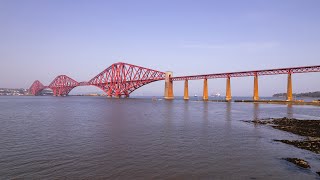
[168,88]
[255,88]
[228,90]
[289,87]
[186,90]
[205,90]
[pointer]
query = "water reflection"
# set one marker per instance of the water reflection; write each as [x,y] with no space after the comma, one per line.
[228,120]
[205,120]
[168,118]
[289,111]
[228,111]
[186,111]
[205,111]
[256,111]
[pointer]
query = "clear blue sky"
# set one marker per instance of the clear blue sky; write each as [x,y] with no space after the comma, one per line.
[40,39]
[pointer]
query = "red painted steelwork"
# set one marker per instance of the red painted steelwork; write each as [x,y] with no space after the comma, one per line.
[62,85]
[305,69]
[36,88]
[121,79]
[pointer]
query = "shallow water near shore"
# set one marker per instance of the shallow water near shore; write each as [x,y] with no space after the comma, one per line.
[95,137]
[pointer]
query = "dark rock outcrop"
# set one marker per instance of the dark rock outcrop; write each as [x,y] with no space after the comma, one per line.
[299,162]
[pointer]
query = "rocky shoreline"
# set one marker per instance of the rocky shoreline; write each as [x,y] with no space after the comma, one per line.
[313,146]
[310,129]
[299,162]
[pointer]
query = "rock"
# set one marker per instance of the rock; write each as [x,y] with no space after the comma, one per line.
[299,162]
[313,146]
[296,126]
[313,138]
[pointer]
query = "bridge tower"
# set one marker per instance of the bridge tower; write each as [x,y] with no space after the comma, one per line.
[289,87]
[228,89]
[186,90]
[205,90]
[255,87]
[168,89]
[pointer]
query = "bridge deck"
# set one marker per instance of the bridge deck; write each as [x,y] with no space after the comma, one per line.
[305,69]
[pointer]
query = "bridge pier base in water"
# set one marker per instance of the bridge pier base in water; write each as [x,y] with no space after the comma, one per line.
[255,88]
[205,90]
[186,90]
[228,89]
[168,88]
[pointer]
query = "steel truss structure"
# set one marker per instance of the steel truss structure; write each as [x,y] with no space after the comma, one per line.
[62,85]
[119,79]
[304,69]
[36,88]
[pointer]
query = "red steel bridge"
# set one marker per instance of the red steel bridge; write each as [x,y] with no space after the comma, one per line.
[121,79]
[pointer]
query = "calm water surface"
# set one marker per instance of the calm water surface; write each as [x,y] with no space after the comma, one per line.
[95,137]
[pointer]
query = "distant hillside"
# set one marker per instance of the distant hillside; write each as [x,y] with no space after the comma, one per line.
[308,94]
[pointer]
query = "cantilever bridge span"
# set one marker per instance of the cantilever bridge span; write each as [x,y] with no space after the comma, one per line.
[121,79]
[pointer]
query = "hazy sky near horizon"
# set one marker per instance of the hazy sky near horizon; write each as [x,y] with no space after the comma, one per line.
[40,39]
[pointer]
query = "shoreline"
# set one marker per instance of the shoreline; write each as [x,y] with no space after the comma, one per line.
[314,103]
[283,102]
[308,129]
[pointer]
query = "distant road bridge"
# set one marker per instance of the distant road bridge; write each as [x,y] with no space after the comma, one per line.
[121,79]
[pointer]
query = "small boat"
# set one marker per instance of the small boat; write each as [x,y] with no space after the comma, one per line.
[216,95]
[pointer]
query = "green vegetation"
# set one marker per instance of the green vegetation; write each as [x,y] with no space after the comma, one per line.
[315,94]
